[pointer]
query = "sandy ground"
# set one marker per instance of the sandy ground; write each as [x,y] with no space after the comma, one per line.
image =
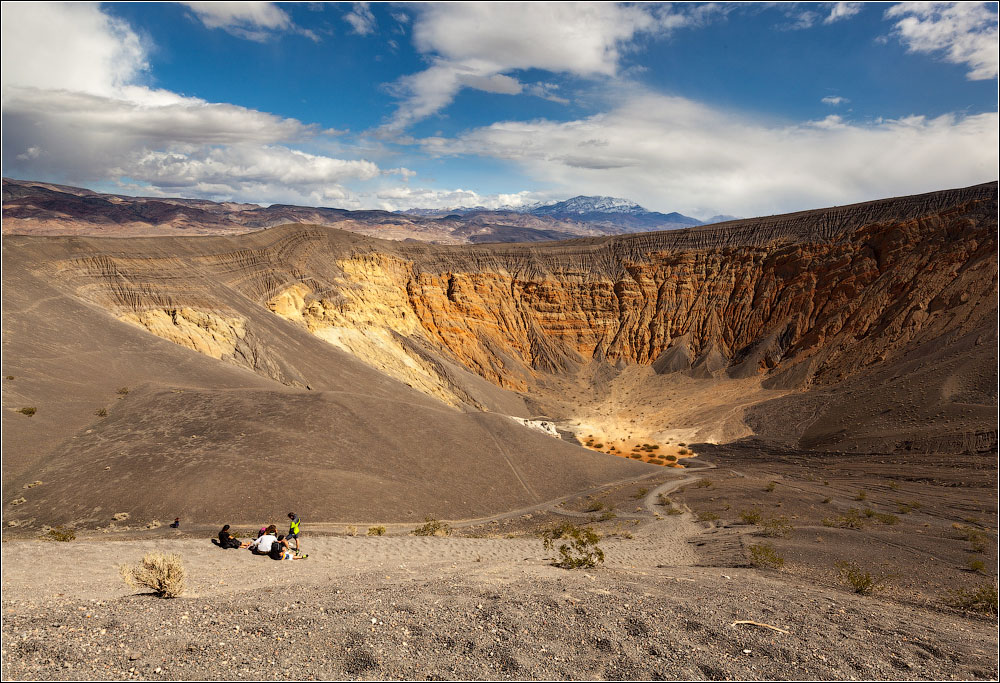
[485,602]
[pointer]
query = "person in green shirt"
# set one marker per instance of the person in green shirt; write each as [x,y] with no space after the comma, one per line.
[293,529]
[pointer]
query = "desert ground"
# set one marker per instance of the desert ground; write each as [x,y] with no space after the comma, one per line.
[485,601]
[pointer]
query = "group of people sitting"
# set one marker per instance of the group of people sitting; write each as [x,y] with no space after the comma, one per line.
[268,542]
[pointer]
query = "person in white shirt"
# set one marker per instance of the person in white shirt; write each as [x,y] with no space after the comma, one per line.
[262,546]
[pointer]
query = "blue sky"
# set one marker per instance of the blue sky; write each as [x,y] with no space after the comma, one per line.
[743,109]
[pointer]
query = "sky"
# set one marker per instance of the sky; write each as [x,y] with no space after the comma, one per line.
[743,109]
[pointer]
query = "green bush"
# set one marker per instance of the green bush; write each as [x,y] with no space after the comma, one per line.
[764,555]
[578,547]
[851,520]
[860,581]
[163,574]
[776,527]
[752,516]
[977,566]
[376,531]
[982,599]
[432,527]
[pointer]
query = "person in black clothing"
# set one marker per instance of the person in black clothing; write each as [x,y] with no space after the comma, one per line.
[226,540]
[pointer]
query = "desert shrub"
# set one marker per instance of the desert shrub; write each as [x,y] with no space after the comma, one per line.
[607,515]
[776,527]
[101,412]
[861,495]
[886,518]
[851,520]
[903,508]
[662,499]
[432,527]
[20,500]
[376,531]
[162,574]
[655,461]
[671,458]
[894,485]
[10,376]
[674,511]
[636,456]
[707,516]
[827,500]
[640,493]
[978,541]
[578,547]
[982,599]
[60,533]
[752,516]
[977,566]
[123,391]
[598,445]
[703,483]
[27,411]
[681,443]
[770,487]
[683,451]
[860,581]
[869,513]
[595,506]
[764,555]
[654,448]
[351,530]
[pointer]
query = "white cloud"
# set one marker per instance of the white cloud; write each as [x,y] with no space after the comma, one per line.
[961,32]
[843,10]
[669,153]
[834,100]
[402,198]
[68,47]
[76,114]
[361,19]
[257,21]
[478,44]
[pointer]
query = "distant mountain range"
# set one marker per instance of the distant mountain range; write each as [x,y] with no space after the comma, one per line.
[608,212]
[40,208]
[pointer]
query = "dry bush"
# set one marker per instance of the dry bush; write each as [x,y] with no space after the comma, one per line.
[101,412]
[432,527]
[60,533]
[776,527]
[860,581]
[595,506]
[770,487]
[376,531]
[703,484]
[752,516]
[982,599]
[764,555]
[123,391]
[163,574]
[351,530]
[580,548]
[27,411]
[707,516]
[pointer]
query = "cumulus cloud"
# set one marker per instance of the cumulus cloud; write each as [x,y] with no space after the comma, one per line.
[670,153]
[257,21]
[959,32]
[402,198]
[477,45]
[834,100]
[842,10]
[361,19]
[78,114]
